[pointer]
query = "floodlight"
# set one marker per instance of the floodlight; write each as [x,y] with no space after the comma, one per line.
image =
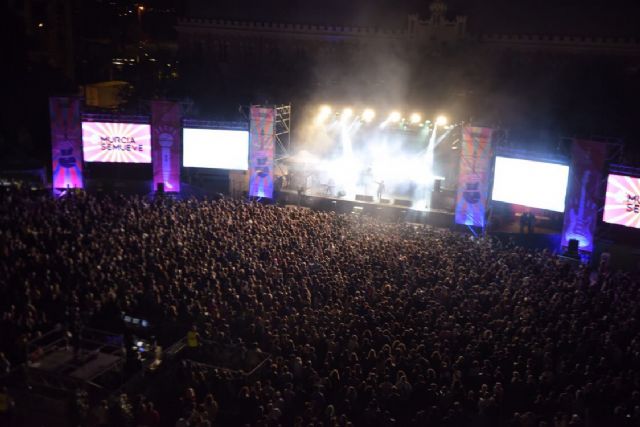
[395,117]
[325,110]
[347,112]
[368,115]
[323,114]
[441,121]
[415,118]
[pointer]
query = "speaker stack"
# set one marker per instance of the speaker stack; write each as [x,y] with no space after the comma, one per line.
[364,198]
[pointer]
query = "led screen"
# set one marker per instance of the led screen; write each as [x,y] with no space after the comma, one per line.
[216,149]
[622,204]
[116,142]
[535,184]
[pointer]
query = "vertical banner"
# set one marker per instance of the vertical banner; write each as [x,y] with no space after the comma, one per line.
[66,142]
[261,152]
[166,144]
[585,181]
[473,179]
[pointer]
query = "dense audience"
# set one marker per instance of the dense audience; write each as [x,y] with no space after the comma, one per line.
[364,323]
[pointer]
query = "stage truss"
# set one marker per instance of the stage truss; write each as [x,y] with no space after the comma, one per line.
[283,131]
[282,135]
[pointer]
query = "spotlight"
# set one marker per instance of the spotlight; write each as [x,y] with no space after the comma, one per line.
[368,115]
[395,117]
[325,110]
[347,112]
[323,115]
[441,121]
[415,118]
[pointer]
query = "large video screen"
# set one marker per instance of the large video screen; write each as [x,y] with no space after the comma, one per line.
[622,204]
[215,149]
[116,142]
[530,183]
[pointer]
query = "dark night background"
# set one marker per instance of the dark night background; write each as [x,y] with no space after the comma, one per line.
[539,97]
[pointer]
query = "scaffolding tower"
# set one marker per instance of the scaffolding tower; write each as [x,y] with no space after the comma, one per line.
[283,131]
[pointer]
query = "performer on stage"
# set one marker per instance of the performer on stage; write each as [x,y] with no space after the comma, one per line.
[380,189]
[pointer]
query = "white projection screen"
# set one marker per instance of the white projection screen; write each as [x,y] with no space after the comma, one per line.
[215,149]
[530,183]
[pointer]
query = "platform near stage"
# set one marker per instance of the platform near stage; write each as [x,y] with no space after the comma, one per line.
[395,210]
[59,362]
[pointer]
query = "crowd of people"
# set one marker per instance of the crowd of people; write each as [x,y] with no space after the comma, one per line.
[364,323]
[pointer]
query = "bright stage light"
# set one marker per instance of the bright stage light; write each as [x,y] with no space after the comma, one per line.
[395,117]
[441,121]
[368,115]
[325,110]
[347,112]
[323,114]
[415,118]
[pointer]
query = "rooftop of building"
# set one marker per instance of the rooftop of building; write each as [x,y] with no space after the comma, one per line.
[605,18]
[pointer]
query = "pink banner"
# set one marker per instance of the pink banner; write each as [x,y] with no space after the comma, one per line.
[622,204]
[166,124]
[261,152]
[66,143]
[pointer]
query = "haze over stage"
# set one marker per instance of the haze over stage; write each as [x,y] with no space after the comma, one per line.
[383,153]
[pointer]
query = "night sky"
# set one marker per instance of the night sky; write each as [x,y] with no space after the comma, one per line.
[572,94]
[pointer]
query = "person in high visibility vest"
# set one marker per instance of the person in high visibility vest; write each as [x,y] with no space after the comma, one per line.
[193,341]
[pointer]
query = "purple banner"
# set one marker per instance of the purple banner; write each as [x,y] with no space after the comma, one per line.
[166,143]
[473,178]
[66,142]
[585,181]
[261,152]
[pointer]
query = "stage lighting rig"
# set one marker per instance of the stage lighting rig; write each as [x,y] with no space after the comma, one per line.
[441,121]
[415,118]
[324,113]
[395,117]
[368,115]
[325,110]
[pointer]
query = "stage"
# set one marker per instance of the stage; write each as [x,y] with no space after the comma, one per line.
[389,210]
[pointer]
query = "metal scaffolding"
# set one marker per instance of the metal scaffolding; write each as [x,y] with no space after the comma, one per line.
[283,131]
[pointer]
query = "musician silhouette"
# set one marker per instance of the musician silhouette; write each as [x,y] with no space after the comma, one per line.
[381,189]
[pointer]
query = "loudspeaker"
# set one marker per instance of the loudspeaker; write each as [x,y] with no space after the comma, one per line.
[364,198]
[572,247]
[160,187]
[385,201]
[402,202]
[435,199]
[437,186]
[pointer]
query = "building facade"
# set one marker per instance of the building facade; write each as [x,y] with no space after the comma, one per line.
[233,40]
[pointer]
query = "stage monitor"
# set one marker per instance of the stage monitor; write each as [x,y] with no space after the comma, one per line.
[622,203]
[215,149]
[116,142]
[530,183]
